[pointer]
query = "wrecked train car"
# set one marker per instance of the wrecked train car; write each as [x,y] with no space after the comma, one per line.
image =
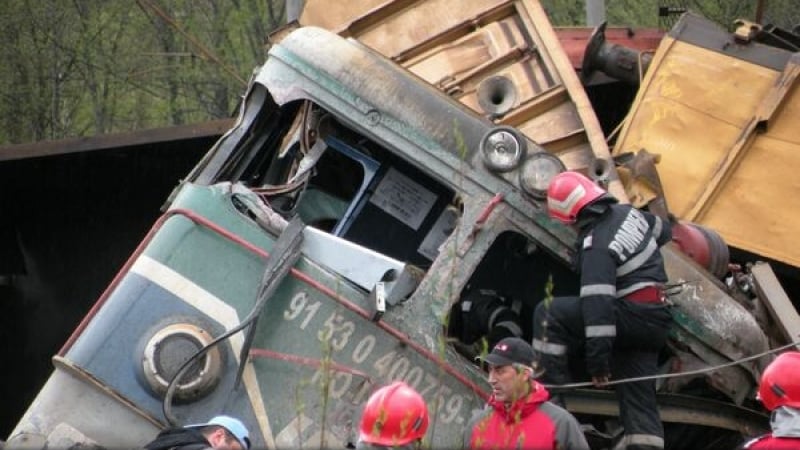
[392,207]
[732,116]
[316,252]
[492,56]
[723,166]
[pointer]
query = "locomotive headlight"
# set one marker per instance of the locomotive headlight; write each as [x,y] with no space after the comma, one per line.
[503,148]
[537,172]
[165,352]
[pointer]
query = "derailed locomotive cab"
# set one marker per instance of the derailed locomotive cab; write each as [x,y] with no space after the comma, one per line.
[290,324]
[319,251]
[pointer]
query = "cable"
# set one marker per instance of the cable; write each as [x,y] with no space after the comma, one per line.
[166,405]
[279,262]
[672,375]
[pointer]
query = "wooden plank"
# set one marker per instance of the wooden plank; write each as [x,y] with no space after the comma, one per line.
[778,304]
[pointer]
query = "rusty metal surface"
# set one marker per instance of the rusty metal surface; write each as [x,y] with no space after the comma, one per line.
[574,40]
[703,309]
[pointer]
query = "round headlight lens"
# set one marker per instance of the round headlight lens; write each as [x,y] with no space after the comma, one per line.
[503,148]
[537,172]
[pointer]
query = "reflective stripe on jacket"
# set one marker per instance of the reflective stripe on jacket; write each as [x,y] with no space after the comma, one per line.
[618,253]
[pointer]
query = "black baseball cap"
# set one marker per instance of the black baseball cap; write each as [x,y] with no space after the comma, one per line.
[511,350]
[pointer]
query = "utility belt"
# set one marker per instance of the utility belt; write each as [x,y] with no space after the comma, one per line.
[649,294]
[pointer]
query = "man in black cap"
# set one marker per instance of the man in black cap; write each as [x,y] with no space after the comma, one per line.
[518,414]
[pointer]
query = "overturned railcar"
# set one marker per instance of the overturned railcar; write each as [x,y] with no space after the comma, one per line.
[315,253]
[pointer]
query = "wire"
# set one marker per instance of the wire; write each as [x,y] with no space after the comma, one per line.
[672,375]
[166,404]
[278,259]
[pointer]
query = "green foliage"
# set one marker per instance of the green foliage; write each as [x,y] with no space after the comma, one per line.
[88,67]
[644,13]
[633,13]
[565,12]
[85,67]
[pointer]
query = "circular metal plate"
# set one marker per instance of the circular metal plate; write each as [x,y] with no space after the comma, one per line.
[168,349]
[503,148]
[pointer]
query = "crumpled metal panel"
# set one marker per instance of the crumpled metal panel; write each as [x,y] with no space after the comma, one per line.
[704,310]
[399,111]
[722,116]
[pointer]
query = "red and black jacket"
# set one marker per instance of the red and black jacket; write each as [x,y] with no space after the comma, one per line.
[529,423]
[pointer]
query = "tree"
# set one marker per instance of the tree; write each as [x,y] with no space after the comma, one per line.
[83,67]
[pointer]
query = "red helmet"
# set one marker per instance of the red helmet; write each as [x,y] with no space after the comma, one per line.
[568,193]
[394,415]
[780,384]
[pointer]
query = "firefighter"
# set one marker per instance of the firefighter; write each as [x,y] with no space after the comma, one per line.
[619,322]
[485,314]
[395,416]
[779,391]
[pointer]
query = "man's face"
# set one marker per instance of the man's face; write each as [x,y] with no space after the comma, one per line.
[508,383]
[221,439]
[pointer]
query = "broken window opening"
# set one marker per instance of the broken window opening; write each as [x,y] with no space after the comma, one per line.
[499,299]
[347,185]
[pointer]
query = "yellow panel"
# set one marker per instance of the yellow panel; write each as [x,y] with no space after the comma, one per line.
[724,88]
[479,47]
[784,125]
[689,154]
[759,207]
[558,122]
[452,60]
[692,109]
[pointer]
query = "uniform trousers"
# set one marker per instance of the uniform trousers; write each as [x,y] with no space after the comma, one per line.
[641,332]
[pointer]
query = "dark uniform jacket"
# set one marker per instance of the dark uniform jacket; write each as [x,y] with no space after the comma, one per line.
[618,254]
[179,439]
